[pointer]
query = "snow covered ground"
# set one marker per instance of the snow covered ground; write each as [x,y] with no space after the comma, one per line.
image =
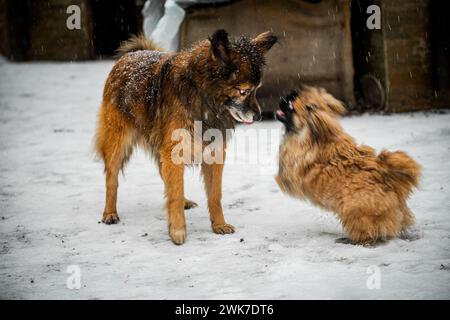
[52,193]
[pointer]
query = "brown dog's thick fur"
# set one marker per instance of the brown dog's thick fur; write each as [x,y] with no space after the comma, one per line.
[149,94]
[320,162]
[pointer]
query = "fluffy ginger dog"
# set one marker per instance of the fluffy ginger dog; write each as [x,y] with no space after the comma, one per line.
[320,162]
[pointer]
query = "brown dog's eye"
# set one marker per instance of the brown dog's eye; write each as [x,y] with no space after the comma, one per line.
[243,92]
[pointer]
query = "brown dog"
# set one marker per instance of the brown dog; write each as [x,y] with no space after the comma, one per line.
[320,162]
[149,94]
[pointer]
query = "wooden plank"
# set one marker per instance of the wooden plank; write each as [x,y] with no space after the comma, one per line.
[49,37]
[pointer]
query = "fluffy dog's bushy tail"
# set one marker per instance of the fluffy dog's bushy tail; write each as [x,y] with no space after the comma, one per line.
[136,43]
[402,171]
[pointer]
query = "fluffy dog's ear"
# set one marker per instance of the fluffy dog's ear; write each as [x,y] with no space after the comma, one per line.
[220,47]
[311,107]
[265,41]
[322,125]
[336,106]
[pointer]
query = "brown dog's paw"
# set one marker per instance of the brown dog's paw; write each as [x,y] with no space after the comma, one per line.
[178,236]
[223,228]
[188,204]
[110,218]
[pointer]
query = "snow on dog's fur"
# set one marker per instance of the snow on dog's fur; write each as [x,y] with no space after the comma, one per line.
[150,94]
[320,162]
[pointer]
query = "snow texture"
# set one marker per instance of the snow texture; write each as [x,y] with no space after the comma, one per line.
[52,197]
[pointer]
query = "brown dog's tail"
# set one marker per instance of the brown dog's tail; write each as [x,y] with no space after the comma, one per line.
[402,172]
[136,43]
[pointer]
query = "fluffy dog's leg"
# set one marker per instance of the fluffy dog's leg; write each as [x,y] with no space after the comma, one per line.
[408,218]
[189,204]
[367,228]
[212,175]
[172,175]
[114,143]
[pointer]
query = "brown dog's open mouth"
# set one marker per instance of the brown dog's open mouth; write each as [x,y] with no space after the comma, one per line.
[239,117]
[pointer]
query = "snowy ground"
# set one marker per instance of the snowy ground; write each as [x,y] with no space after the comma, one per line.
[52,193]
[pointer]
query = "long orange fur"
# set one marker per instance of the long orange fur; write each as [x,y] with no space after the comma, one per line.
[320,162]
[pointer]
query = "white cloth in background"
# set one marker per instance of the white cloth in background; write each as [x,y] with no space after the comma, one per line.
[162,21]
[167,31]
[152,12]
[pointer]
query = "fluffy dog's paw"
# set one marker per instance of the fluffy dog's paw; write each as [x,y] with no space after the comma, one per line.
[223,228]
[178,235]
[110,218]
[343,241]
[411,234]
[365,243]
[188,204]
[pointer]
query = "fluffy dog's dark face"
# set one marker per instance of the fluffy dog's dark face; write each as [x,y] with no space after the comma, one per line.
[286,112]
[236,69]
[311,111]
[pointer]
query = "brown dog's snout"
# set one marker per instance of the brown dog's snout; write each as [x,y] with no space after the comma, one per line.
[257,116]
[254,106]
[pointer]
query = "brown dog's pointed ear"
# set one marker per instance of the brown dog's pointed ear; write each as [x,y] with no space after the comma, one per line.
[265,41]
[220,46]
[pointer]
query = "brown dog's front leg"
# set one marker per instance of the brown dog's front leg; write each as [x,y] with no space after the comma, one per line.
[172,175]
[212,175]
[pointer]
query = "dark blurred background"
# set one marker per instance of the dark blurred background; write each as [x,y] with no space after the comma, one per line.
[403,66]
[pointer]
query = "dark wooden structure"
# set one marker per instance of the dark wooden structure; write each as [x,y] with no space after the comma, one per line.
[409,55]
[37,30]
